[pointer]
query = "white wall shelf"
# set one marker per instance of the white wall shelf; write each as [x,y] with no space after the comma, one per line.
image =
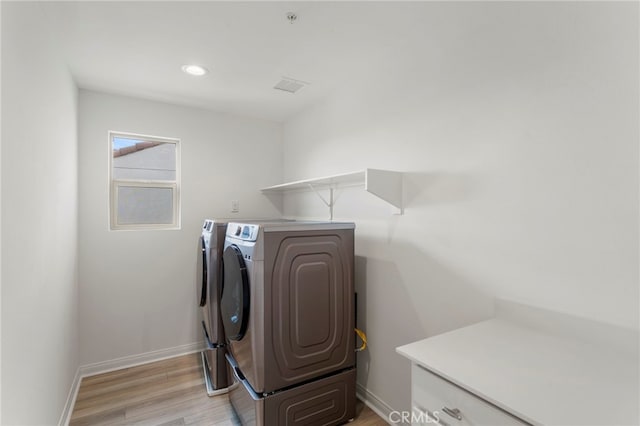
[384,184]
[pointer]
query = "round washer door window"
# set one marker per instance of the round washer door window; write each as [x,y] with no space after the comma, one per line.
[234,305]
[203,269]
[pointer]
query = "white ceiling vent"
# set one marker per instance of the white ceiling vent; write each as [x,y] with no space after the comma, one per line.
[290,85]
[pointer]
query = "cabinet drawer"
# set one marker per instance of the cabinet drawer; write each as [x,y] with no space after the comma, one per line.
[453,406]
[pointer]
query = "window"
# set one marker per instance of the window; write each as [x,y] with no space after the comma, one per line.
[144,179]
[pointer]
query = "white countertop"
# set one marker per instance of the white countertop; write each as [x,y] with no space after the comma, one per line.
[537,376]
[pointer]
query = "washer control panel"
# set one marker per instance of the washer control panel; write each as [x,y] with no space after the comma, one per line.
[241,231]
[206,231]
[208,225]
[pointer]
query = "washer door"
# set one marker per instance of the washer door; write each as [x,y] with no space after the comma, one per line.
[234,305]
[203,275]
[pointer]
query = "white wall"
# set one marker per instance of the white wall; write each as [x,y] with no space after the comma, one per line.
[39,221]
[517,127]
[137,288]
[0,228]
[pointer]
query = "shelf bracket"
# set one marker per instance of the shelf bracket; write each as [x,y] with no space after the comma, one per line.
[326,203]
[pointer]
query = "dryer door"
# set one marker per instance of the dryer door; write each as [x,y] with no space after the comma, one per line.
[203,277]
[234,305]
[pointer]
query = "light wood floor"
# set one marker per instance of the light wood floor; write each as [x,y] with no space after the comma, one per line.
[167,393]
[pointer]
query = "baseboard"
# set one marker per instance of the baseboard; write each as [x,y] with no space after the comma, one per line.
[145,358]
[372,401]
[376,404]
[118,364]
[71,400]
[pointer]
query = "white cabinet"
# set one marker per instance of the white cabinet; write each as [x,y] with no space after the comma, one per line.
[506,372]
[448,405]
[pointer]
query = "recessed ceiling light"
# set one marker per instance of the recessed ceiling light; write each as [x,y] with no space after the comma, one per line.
[194,70]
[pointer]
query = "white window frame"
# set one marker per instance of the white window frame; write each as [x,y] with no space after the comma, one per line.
[115,184]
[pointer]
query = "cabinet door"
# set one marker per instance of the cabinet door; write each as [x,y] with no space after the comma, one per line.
[448,405]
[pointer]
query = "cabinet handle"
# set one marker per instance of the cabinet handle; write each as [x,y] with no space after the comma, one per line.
[453,412]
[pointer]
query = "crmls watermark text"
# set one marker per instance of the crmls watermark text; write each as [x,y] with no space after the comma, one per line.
[414,417]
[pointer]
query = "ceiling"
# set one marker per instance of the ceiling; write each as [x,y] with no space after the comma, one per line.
[138,48]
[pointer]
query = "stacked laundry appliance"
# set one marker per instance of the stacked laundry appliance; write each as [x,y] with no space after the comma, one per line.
[287,308]
[216,373]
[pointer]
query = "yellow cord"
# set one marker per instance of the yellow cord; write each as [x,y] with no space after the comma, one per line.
[362,337]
